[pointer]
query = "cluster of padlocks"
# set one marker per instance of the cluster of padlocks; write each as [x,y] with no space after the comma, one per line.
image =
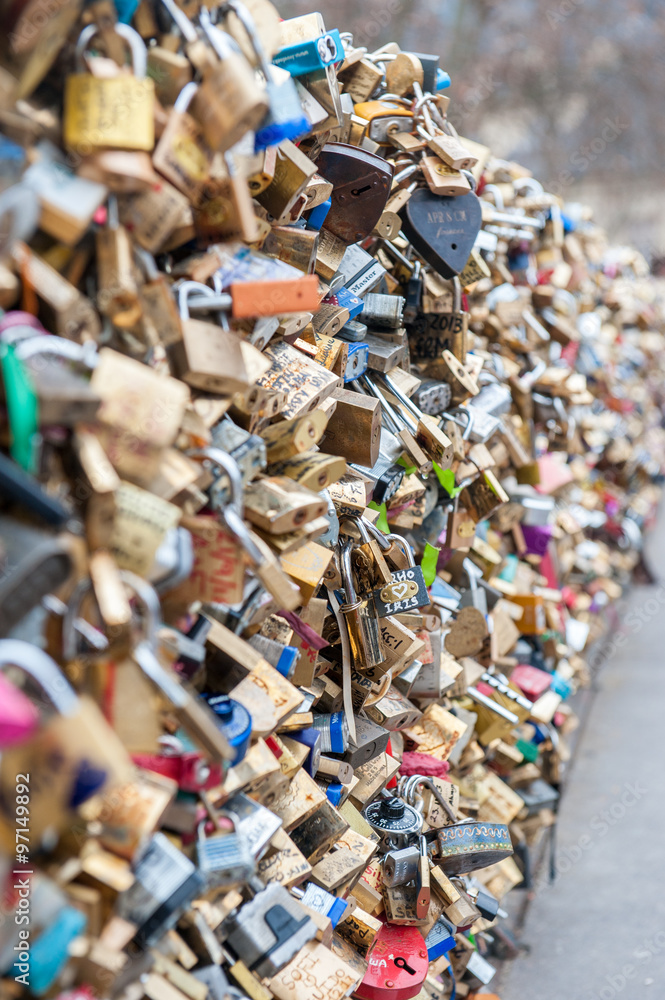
[328,438]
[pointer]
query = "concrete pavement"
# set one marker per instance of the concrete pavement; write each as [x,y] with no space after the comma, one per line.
[599,932]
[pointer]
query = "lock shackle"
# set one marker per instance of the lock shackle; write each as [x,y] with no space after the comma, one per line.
[398,394]
[473,572]
[360,524]
[494,706]
[186,290]
[57,347]
[410,790]
[377,534]
[402,543]
[181,21]
[531,185]
[185,97]
[43,669]
[146,263]
[146,594]
[134,41]
[397,420]
[227,464]
[232,513]
[457,295]
[248,23]
[497,193]
[467,411]
[352,601]
[221,42]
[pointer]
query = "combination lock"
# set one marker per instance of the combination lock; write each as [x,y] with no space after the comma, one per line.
[394,821]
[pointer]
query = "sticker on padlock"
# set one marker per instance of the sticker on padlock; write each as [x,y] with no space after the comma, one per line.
[223,858]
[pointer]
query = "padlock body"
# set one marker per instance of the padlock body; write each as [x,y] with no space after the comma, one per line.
[116,113]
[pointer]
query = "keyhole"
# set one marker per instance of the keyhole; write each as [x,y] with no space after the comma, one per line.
[453,246]
[357,191]
[402,963]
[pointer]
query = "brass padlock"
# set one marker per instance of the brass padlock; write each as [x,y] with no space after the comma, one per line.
[362,625]
[182,154]
[117,294]
[111,113]
[230,101]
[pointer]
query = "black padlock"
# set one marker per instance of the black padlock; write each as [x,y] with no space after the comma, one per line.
[443,230]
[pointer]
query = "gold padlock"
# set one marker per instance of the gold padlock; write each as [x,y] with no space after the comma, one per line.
[112,113]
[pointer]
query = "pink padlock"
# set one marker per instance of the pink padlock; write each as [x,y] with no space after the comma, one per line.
[19,718]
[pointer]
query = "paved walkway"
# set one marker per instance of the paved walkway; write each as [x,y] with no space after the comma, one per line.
[599,931]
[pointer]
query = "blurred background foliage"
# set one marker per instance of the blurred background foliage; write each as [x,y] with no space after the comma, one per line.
[573,89]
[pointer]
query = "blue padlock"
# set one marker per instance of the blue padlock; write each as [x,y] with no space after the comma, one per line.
[334,792]
[356,362]
[310,738]
[440,939]
[234,721]
[442,79]
[318,215]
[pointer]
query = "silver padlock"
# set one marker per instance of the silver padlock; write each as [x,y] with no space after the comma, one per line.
[224,859]
[400,867]
[269,930]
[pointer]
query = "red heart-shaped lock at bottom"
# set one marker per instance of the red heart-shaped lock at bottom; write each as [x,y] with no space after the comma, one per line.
[397,965]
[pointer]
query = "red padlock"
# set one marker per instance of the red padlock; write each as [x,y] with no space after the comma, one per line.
[189,768]
[397,965]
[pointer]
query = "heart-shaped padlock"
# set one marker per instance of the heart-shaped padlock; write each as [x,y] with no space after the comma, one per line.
[397,965]
[443,230]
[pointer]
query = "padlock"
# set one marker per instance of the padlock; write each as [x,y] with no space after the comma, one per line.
[78,752]
[400,867]
[182,154]
[443,230]
[354,429]
[189,768]
[229,101]
[111,113]
[269,930]
[393,820]
[224,859]
[460,528]
[266,566]
[210,357]
[160,316]
[285,118]
[397,965]
[235,723]
[361,185]
[408,589]
[165,881]
[443,179]
[117,294]
[428,432]
[434,333]
[362,625]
